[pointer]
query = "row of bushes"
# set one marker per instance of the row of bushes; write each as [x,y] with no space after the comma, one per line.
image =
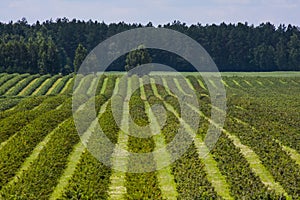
[12,124]
[14,153]
[21,85]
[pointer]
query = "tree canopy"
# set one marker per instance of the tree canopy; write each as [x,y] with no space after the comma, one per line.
[137,57]
[61,45]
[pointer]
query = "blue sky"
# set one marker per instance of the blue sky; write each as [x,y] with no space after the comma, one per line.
[156,11]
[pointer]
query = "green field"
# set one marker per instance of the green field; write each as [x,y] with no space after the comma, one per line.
[256,157]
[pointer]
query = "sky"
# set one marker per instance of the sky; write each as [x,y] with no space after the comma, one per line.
[157,11]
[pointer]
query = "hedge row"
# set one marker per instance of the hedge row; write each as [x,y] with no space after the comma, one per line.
[17,121]
[21,85]
[188,171]
[142,185]
[14,153]
[35,85]
[11,82]
[44,89]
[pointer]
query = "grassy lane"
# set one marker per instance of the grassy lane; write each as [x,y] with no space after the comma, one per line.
[117,189]
[90,180]
[78,150]
[140,185]
[210,166]
[164,175]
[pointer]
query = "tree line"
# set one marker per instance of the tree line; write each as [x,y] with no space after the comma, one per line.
[60,46]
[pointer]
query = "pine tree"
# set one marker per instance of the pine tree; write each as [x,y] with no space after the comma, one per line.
[136,58]
[80,54]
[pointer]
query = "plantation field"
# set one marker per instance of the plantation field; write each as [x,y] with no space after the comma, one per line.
[257,155]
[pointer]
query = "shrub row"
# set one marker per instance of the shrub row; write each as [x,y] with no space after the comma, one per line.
[142,185]
[7,77]
[11,82]
[44,89]
[188,171]
[8,103]
[17,121]
[35,85]
[14,153]
[61,84]
[91,178]
[21,85]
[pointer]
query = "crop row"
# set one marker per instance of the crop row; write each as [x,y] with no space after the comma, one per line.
[21,85]
[17,121]
[91,177]
[14,153]
[33,86]
[61,84]
[143,185]
[8,103]
[190,176]
[43,89]
[11,82]
[6,77]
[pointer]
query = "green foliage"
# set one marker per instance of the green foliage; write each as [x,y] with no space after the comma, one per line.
[61,84]
[61,45]
[21,85]
[268,107]
[21,146]
[80,54]
[36,85]
[8,103]
[11,82]
[17,121]
[137,57]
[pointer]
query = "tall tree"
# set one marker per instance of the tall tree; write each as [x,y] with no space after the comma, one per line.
[136,58]
[294,52]
[281,54]
[80,54]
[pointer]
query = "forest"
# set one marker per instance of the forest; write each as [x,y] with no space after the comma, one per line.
[59,46]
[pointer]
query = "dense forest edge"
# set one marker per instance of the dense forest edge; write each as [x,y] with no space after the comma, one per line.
[60,46]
